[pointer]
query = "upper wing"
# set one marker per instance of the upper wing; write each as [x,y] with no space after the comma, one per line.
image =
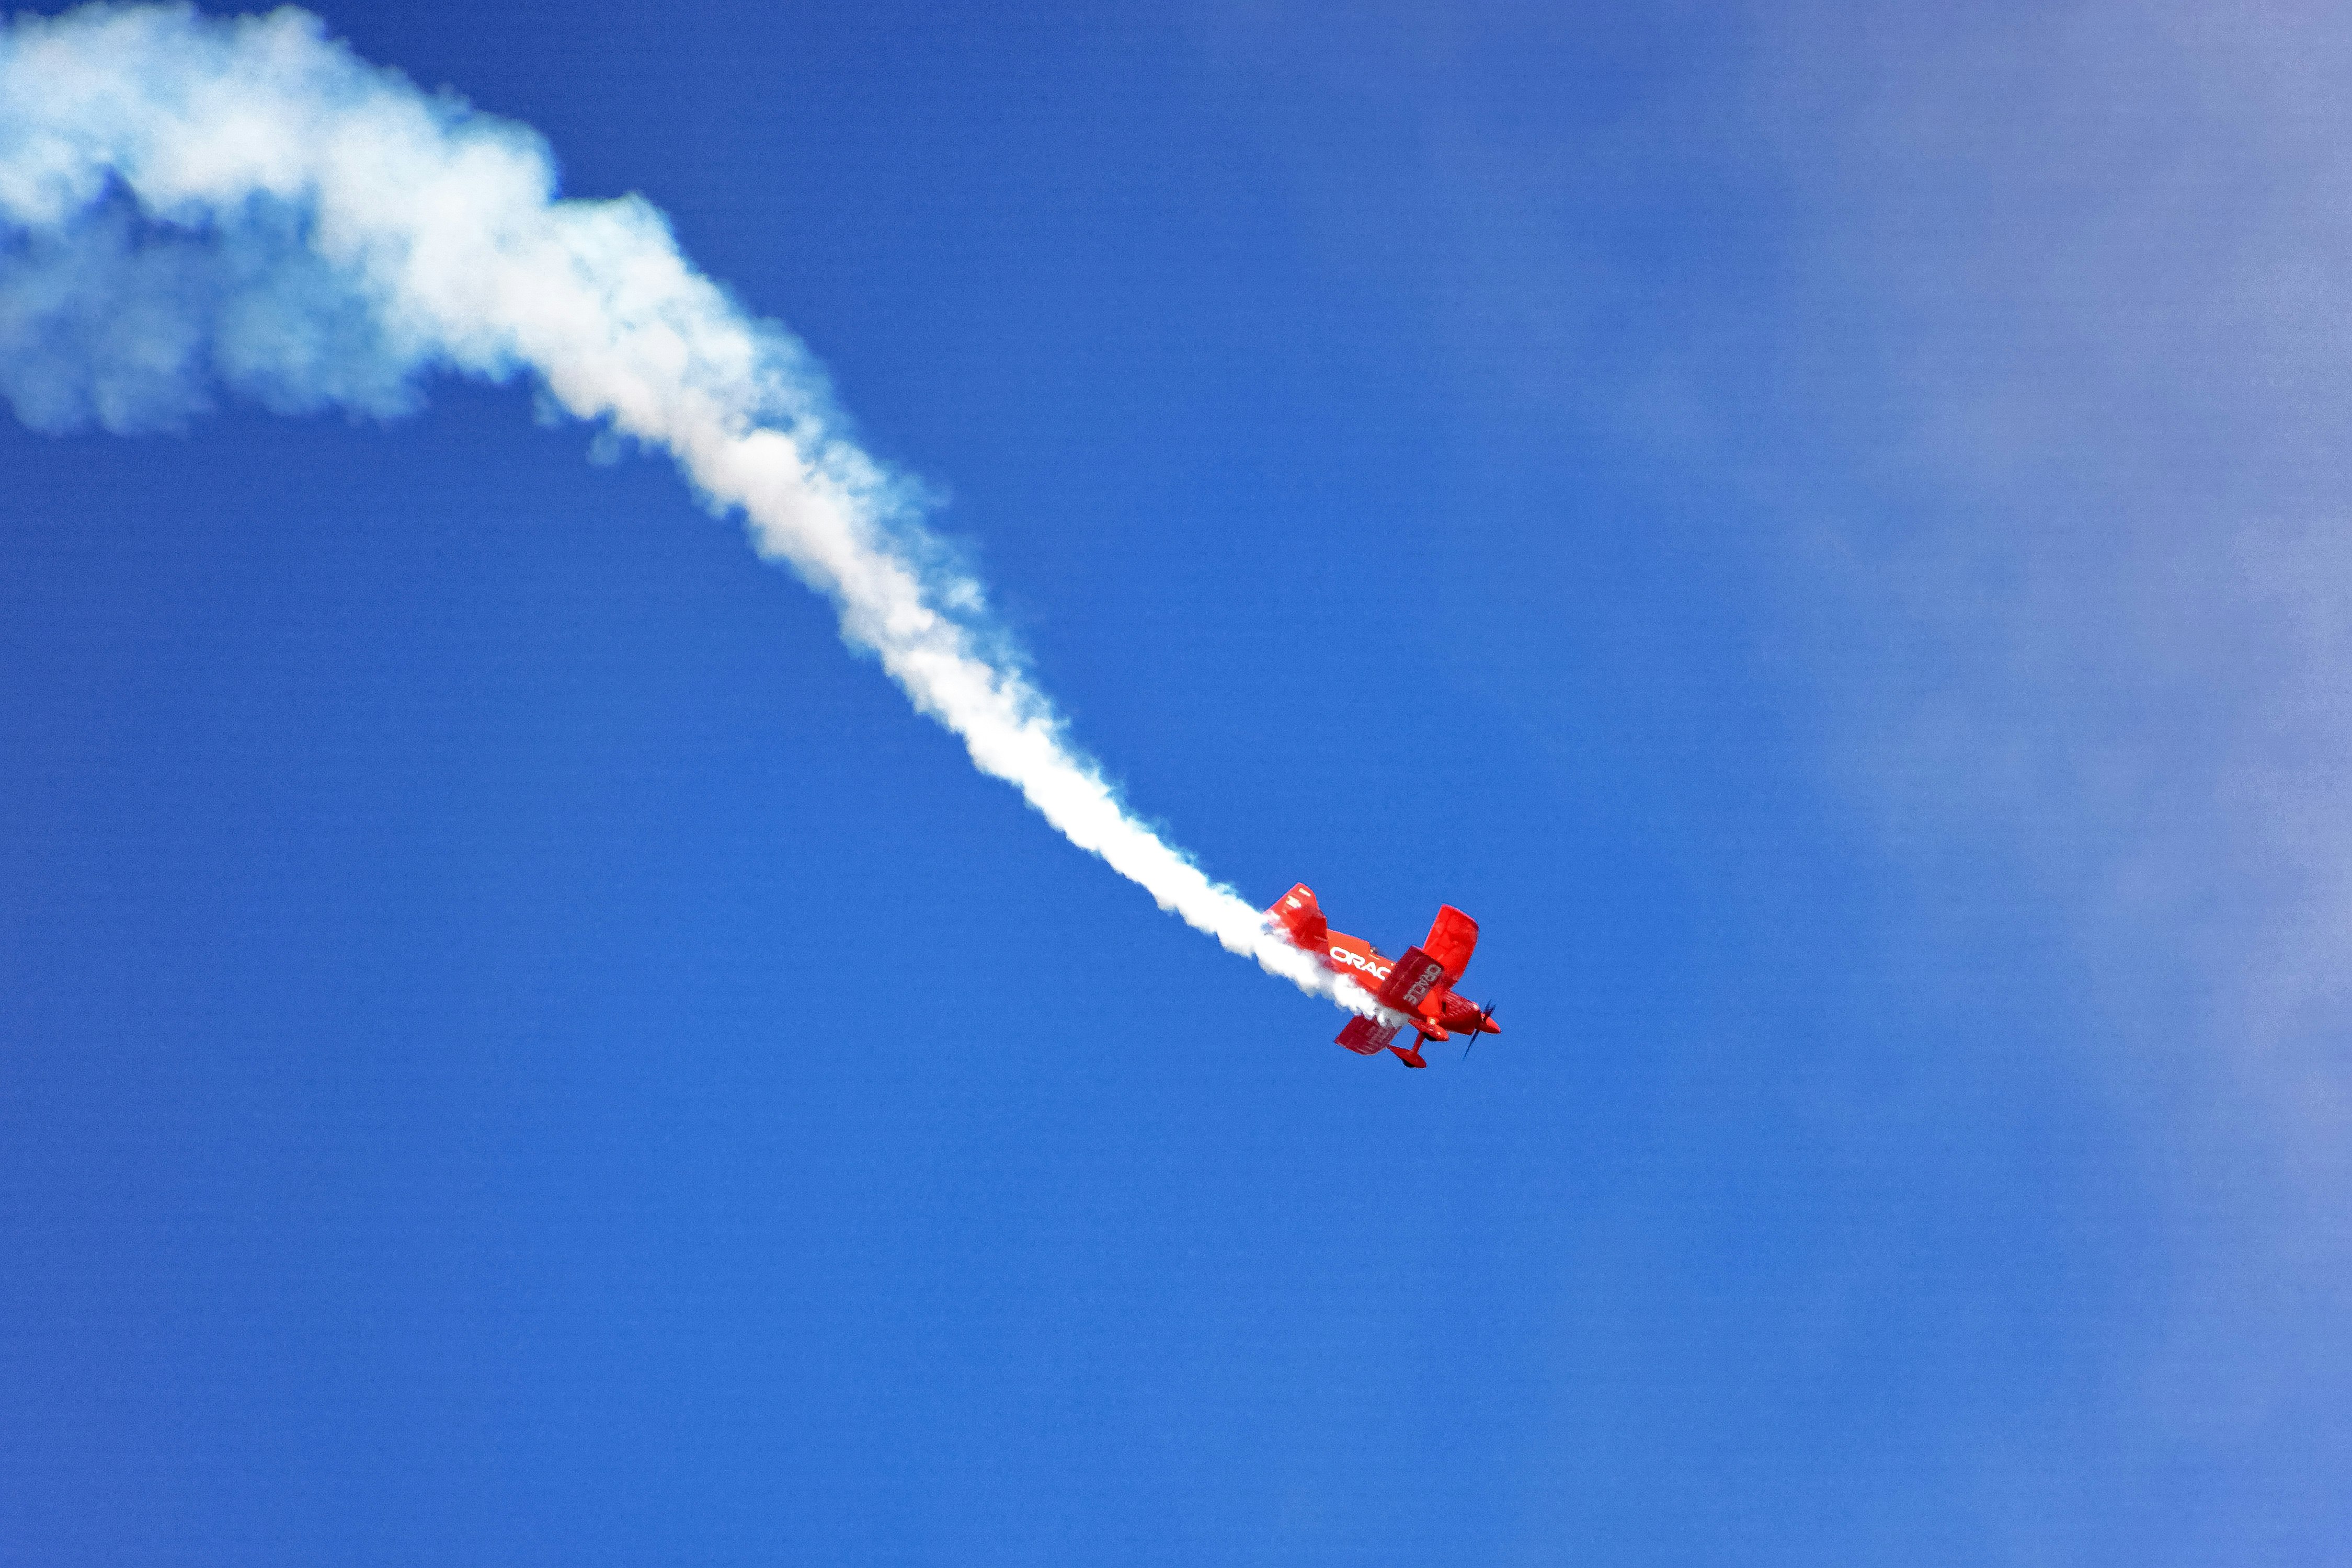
[1452,940]
[1413,978]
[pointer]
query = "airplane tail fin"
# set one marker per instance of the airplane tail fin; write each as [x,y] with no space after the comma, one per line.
[1452,940]
[1297,912]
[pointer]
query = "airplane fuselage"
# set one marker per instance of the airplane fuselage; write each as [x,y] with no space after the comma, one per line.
[1442,1009]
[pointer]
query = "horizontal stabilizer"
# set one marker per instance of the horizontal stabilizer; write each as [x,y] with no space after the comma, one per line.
[1366,1038]
[1413,978]
[1452,940]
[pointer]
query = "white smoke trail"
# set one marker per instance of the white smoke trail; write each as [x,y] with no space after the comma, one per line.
[188,204]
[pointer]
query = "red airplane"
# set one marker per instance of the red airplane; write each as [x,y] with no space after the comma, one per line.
[1420,984]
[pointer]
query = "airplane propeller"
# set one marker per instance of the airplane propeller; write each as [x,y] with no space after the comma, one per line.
[1478,1029]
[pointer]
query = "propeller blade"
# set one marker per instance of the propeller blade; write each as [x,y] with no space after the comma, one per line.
[1480,1028]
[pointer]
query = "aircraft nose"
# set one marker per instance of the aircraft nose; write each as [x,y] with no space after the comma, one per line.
[1489,1025]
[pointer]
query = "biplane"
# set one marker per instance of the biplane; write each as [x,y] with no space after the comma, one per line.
[1420,984]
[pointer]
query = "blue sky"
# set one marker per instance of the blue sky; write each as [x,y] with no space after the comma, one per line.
[1816,527]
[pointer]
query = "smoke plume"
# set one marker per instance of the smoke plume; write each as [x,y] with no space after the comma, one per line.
[192,205]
